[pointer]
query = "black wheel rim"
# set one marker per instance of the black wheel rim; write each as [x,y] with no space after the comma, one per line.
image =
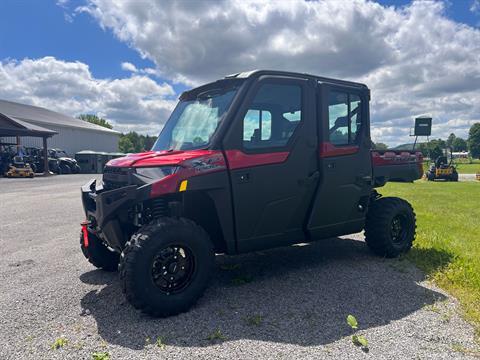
[398,229]
[172,268]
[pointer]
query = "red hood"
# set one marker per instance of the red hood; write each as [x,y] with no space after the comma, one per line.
[158,158]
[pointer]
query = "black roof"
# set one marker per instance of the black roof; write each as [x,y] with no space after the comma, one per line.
[257,73]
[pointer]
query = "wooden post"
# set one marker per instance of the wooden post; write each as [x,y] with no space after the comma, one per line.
[46,171]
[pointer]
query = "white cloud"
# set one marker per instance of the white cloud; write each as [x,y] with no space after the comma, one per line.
[475,7]
[413,58]
[135,103]
[127,66]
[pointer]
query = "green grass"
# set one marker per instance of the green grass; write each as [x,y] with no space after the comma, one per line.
[468,168]
[447,247]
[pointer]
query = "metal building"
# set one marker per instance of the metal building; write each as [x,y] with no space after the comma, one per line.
[74,135]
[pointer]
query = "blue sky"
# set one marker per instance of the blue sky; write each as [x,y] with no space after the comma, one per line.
[35,29]
[88,49]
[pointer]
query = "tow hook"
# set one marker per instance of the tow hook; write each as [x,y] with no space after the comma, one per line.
[85,233]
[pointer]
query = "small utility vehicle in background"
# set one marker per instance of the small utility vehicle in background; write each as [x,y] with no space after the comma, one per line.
[252,161]
[19,168]
[442,169]
[66,164]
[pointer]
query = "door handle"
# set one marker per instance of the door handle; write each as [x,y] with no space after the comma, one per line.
[363,179]
[309,179]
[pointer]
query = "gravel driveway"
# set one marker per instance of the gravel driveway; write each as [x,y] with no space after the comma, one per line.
[286,303]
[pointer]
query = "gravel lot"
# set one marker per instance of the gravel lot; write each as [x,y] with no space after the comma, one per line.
[279,304]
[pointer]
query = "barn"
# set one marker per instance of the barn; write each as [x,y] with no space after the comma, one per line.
[73,135]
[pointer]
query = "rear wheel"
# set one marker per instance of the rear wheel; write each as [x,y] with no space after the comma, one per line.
[430,176]
[390,226]
[454,176]
[166,266]
[98,254]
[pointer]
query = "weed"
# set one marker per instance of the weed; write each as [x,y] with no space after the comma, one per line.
[216,335]
[466,351]
[357,340]
[101,356]
[59,343]
[161,342]
[255,320]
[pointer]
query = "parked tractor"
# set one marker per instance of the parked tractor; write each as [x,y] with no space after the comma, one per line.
[252,161]
[18,168]
[442,169]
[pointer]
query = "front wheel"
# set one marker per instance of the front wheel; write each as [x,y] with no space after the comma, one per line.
[390,226]
[166,266]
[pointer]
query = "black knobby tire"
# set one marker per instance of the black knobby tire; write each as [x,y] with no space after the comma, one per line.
[98,254]
[147,286]
[390,226]
[454,176]
[430,176]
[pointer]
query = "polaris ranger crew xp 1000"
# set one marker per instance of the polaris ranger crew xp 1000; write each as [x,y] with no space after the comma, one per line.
[252,161]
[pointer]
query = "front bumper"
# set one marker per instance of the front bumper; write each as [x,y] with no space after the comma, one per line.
[106,209]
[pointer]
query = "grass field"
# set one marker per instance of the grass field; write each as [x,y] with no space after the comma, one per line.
[447,247]
[468,168]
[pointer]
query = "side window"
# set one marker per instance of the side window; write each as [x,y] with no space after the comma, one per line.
[344,117]
[273,116]
[257,120]
[355,117]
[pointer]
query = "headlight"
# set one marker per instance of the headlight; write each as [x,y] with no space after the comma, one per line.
[155,173]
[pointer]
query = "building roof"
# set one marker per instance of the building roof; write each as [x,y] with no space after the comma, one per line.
[44,117]
[15,127]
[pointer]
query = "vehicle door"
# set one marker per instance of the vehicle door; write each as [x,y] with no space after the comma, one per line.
[345,184]
[271,151]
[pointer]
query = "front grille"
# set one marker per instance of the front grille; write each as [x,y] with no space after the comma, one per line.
[116,170]
[116,177]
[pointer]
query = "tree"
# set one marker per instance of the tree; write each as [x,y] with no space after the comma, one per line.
[134,142]
[459,144]
[125,145]
[94,119]
[380,146]
[433,149]
[474,140]
[450,140]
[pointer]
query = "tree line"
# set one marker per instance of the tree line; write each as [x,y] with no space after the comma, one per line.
[435,148]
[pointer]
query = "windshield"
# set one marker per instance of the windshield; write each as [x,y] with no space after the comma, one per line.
[194,121]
